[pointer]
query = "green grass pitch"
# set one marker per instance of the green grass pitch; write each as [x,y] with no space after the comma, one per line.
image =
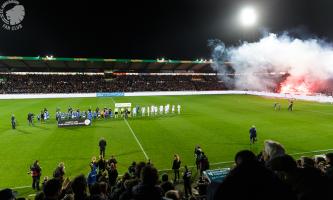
[219,123]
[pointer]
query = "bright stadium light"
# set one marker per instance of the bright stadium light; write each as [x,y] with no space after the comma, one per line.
[248,17]
[49,57]
[160,60]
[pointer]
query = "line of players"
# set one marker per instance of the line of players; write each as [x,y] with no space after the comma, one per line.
[147,110]
[104,113]
[78,114]
[118,112]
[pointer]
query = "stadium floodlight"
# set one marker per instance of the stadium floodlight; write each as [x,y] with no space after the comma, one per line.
[160,60]
[248,17]
[49,57]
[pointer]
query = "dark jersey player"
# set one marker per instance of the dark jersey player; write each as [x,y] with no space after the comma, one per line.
[30,119]
[291,104]
[13,121]
[253,134]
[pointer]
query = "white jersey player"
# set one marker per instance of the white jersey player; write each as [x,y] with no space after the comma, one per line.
[155,110]
[46,115]
[152,110]
[148,111]
[178,108]
[134,112]
[143,110]
[161,109]
[166,109]
[173,109]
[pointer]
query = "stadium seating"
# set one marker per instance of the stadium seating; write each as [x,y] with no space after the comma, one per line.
[37,83]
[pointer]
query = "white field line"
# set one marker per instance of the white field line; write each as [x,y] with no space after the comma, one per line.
[307,152]
[21,187]
[130,128]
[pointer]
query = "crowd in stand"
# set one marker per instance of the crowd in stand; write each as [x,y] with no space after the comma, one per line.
[272,174]
[79,83]
[34,83]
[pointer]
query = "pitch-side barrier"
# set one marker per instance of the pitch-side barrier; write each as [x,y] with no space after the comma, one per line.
[318,97]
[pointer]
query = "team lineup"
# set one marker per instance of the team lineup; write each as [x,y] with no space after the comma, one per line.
[121,110]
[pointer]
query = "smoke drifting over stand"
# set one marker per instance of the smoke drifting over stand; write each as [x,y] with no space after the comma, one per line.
[276,63]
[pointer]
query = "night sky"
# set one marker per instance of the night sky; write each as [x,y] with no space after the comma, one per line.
[174,29]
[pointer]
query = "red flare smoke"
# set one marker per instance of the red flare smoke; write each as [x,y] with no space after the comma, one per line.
[295,86]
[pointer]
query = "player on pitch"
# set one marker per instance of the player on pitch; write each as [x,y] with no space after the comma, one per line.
[277,106]
[291,105]
[253,134]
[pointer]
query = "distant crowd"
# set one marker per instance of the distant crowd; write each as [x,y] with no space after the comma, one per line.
[272,174]
[33,83]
